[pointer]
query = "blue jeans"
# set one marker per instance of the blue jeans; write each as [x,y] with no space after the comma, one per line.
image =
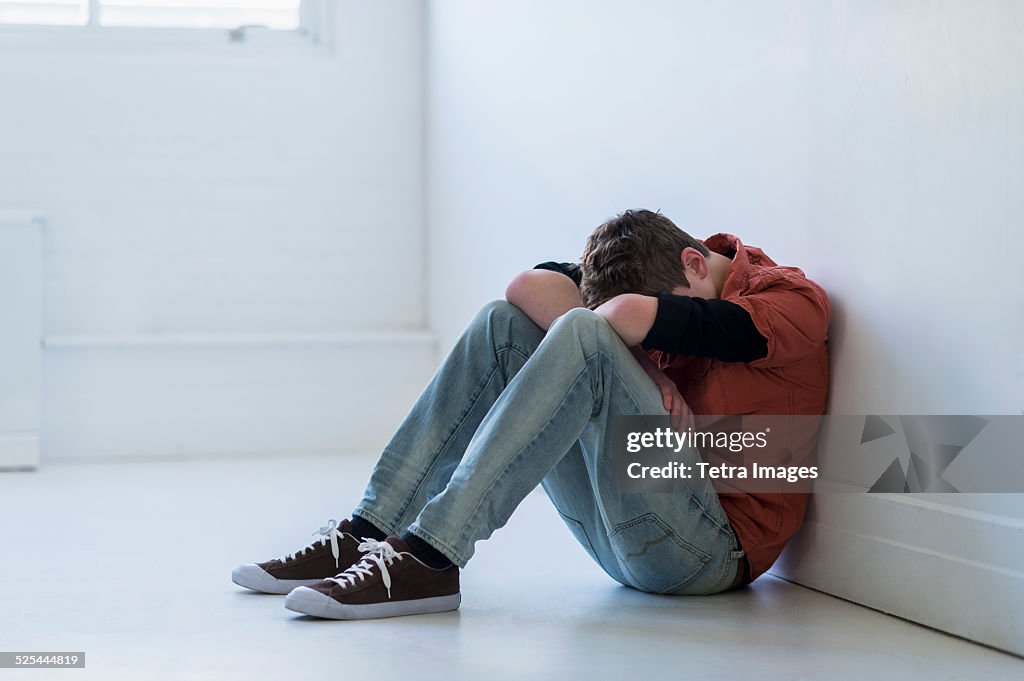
[512,407]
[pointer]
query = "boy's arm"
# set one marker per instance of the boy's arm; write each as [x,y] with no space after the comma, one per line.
[682,325]
[631,315]
[544,294]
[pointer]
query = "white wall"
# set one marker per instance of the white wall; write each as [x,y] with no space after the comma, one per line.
[862,141]
[878,145]
[194,197]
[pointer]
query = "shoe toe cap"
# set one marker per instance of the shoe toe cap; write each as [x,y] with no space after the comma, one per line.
[309,602]
[252,576]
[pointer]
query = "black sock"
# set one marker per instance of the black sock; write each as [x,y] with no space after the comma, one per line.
[362,527]
[426,553]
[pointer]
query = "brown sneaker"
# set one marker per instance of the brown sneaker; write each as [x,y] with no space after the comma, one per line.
[389,581]
[335,550]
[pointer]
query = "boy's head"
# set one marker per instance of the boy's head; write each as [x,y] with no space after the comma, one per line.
[638,251]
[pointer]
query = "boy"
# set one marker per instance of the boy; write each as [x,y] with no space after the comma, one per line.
[651,322]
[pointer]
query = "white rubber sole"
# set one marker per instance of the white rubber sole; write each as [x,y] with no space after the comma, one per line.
[312,602]
[254,577]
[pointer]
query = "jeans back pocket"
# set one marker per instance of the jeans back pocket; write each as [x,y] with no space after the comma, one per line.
[656,558]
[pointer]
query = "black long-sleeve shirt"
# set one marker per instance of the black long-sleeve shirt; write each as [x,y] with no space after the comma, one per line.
[569,269]
[697,327]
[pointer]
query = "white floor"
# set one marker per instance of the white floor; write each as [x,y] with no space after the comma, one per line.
[130,563]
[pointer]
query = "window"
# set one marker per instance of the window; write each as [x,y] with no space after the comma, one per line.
[230,14]
[52,12]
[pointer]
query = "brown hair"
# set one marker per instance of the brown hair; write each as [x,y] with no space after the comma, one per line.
[634,252]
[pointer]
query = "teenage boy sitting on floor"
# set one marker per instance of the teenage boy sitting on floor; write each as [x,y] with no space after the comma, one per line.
[651,322]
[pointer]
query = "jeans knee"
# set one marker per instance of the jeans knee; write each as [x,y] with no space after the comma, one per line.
[583,324]
[504,323]
[580,316]
[498,307]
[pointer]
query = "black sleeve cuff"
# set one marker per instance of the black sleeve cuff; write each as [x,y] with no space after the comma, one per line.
[569,269]
[697,327]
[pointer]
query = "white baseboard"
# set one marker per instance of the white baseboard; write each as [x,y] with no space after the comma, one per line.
[237,340]
[156,396]
[19,450]
[947,567]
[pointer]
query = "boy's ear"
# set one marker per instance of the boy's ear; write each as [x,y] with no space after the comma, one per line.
[694,263]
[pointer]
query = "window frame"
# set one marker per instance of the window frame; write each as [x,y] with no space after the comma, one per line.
[314,36]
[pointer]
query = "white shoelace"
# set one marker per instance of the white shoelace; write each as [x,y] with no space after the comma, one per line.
[379,553]
[327,533]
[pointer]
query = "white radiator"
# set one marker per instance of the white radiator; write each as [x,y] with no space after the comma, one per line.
[21,319]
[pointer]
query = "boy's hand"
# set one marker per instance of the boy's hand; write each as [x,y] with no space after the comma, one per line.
[679,411]
[631,315]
